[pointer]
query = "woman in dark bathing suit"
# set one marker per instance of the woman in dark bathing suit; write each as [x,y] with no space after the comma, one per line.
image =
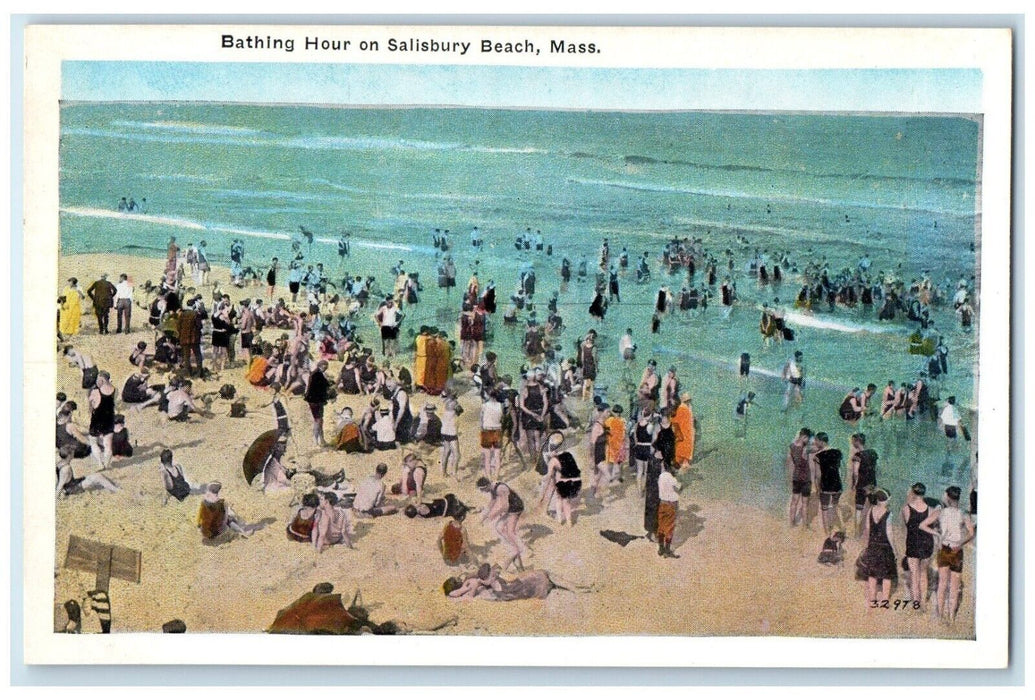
[919,544]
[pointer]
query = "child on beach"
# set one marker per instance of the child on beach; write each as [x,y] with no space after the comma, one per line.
[740,413]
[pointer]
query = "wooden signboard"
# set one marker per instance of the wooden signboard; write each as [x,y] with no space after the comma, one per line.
[105,560]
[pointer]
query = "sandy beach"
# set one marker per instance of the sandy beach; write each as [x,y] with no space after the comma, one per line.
[742,570]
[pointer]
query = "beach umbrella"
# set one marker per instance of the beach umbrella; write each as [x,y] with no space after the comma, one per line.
[255,457]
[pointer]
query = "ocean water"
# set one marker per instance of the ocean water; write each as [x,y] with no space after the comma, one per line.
[903,189]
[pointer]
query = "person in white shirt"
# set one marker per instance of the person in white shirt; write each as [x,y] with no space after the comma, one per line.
[668,493]
[370,495]
[794,375]
[123,303]
[626,346]
[491,435]
[950,421]
[955,529]
[384,431]
[388,318]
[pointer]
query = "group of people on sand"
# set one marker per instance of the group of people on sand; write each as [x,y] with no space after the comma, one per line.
[289,350]
[816,467]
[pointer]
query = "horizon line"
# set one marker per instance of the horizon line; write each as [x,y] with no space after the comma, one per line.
[972,116]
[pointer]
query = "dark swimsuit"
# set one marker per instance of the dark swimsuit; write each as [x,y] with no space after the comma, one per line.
[644,440]
[102,422]
[301,529]
[878,560]
[74,485]
[919,544]
[570,482]
[867,475]
[180,488]
[65,438]
[533,403]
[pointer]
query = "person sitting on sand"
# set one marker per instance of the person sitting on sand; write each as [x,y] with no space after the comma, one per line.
[333,524]
[350,438]
[71,435]
[140,358]
[120,445]
[69,485]
[411,481]
[384,430]
[429,427]
[453,542]
[258,368]
[303,523]
[370,495]
[215,516]
[85,363]
[274,476]
[174,480]
[181,403]
[137,391]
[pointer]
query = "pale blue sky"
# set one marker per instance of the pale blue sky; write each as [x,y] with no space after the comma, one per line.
[941,90]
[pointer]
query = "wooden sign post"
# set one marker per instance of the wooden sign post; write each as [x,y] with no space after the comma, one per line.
[106,561]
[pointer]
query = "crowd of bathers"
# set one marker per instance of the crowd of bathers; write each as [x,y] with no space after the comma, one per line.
[535,414]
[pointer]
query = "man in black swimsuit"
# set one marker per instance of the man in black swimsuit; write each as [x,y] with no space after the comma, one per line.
[826,463]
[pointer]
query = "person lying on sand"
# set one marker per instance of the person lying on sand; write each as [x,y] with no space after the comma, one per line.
[486,584]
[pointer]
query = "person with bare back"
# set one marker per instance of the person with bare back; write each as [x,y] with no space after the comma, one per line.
[504,511]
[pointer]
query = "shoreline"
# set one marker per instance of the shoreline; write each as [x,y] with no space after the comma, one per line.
[742,571]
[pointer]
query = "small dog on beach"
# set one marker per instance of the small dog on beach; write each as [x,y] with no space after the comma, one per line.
[833,552]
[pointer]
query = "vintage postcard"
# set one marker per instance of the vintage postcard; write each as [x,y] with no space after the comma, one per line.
[605,346]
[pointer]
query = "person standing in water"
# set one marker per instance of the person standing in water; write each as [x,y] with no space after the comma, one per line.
[794,376]
[826,463]
[271,278]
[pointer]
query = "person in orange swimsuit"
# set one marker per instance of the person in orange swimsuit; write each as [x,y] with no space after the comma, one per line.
[683,422]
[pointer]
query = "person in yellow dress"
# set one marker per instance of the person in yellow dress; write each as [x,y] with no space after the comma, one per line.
[420,361]
[71,308]
[683,423]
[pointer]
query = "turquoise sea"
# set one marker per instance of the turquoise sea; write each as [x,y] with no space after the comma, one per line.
[902,189]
